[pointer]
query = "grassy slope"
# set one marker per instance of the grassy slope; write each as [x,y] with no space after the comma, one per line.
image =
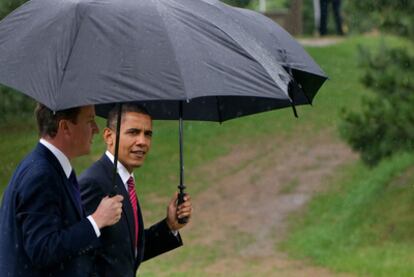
[207,141]
[364,223]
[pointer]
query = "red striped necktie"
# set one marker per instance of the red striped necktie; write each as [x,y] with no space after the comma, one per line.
[134,203]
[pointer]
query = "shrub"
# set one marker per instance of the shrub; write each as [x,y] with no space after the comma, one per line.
[385,125]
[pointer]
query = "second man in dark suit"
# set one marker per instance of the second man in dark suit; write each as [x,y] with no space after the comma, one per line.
[126,244]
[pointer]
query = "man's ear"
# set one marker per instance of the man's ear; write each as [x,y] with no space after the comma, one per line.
[63,127]
[108,137]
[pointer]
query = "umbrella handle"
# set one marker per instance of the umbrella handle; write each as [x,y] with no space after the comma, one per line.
[180,200]
[181,187]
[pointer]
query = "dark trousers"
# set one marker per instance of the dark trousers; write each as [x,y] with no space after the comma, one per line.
[336,6]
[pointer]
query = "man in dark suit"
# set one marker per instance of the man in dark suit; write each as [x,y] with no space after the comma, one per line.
[44,230]
[126,244]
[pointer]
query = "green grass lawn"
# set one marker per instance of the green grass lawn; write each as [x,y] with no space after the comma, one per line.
[364,223]
[205,142]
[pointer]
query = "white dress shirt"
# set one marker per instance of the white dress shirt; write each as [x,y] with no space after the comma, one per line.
[125,175]
[67,168]
[122,171]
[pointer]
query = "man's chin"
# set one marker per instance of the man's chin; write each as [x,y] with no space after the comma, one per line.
[137,164]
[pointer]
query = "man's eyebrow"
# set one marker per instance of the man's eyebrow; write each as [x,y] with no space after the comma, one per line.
[133,129]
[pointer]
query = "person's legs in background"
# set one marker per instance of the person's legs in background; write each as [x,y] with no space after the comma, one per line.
[324,17]
[336,5]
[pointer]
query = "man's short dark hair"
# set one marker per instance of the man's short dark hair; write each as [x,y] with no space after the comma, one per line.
[48,120]
[126,108]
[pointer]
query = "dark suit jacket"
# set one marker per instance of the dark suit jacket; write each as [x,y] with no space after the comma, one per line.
[42,230]
[117,255]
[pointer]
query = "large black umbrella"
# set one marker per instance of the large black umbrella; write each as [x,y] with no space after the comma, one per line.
[183,59]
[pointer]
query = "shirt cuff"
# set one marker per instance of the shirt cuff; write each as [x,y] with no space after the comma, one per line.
[94,225]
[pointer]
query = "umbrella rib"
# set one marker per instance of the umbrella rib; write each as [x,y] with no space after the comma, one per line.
[71,48]
[158,7]
[280,77]
[297,83]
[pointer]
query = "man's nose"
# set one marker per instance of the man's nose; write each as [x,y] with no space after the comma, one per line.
[95,128]
[141,140]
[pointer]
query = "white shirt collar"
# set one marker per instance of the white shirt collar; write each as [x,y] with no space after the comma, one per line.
[63,160]
[122,171]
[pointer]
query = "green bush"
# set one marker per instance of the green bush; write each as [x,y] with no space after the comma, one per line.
[308,18]
[14,104]
[395,16]
[386,123]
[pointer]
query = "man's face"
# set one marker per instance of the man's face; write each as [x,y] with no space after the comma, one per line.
[135,139]
[83,131]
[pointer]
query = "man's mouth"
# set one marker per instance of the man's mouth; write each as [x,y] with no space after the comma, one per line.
[138,153]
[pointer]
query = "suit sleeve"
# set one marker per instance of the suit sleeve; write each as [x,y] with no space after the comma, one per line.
[159,239]
[48,238]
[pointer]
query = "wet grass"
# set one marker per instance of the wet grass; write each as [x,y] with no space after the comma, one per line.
[364,223]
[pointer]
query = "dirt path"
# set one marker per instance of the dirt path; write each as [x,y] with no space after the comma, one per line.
[263,184]
[320,41]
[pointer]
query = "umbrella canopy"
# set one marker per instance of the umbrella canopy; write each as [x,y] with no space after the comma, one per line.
[181,59]
[77,52]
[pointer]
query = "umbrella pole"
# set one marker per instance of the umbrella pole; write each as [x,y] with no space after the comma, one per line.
[181,187]
[118,131]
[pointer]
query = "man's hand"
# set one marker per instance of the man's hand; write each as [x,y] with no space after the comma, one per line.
[109,211]
[174,212]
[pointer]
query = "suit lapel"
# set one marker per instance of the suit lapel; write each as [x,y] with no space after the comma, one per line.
[66,184]
[120,189]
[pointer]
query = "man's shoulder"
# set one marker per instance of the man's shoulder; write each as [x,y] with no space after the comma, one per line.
[94,182]
[37,164]
[98,170]
[36,172]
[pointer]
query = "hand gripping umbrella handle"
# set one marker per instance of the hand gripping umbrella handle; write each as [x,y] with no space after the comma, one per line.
[181,195]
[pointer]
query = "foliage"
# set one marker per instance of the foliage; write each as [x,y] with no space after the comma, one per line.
[395,16]
[14,103]
[6,6]
[385,124]
[365,16]
[308,18]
